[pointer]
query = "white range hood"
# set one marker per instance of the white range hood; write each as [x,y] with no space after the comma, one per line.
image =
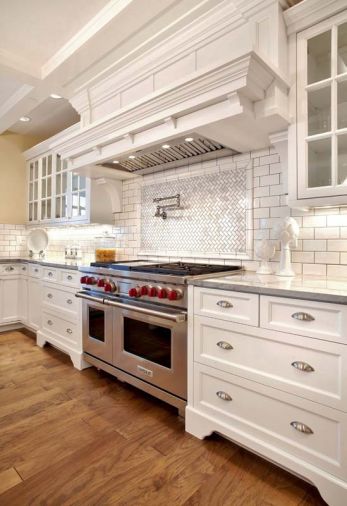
[221,80]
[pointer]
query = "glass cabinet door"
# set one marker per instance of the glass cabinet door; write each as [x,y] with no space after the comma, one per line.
[33,197]
[78,197]
[322,111]
[61,189]
[46,209]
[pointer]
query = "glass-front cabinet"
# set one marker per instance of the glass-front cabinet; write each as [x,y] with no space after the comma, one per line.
[55,195]
[321,133]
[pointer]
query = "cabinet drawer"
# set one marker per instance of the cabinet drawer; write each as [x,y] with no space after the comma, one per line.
[69,277]
[268,415]
[314,319]
[49,274]
[58,298]
[67,331]
[314,369]
[7,269]
[35,270]
[227,305]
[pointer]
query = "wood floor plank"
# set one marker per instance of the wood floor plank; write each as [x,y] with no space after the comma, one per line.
[8,479]
[83,438]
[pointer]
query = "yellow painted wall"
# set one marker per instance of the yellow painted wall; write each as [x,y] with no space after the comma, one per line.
[13,176]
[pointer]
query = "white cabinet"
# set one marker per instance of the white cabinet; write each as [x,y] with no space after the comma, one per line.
[61,323]
[58,196]
[318,137]
[34,303]
[274,384]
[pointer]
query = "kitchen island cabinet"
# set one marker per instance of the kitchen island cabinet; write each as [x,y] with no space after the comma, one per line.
[272,375]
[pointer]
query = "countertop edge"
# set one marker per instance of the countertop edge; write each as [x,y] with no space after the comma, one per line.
[44,263]
[277,292]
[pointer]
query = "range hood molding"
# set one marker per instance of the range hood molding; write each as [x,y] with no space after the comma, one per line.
[246,95]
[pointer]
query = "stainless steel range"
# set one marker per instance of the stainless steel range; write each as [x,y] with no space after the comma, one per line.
[135,322]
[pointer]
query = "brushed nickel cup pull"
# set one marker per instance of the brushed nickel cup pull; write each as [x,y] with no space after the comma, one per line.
[224,345]
[305,317]
[69,301]
[49,322]
[301,427]
[69,331]
[224,396]
[224,303]
[49,295]
[9,268]
[302,366]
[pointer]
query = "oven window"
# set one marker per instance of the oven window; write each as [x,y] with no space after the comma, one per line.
[96,323]
[148,341]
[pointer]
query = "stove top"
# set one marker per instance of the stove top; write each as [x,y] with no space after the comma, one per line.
[167,268]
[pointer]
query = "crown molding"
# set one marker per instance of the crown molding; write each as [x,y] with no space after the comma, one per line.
[109,12]
[45,145]
[309,12]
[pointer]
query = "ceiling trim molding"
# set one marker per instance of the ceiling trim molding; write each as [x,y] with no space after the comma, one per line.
[104,16]
[309,12]
[44,146]
[20,65]
[15,98]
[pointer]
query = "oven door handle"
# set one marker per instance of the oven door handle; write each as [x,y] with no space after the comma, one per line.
[83,295]
[179,317]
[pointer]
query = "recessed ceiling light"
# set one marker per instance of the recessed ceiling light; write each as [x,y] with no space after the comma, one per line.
[115,161]
[166,146]
[25,119]
[189,139]
[55,95]
[132,156]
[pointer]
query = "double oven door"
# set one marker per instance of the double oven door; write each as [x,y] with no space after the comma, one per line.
[147,346]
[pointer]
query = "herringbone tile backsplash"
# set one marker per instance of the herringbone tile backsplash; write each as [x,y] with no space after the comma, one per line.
[212,217]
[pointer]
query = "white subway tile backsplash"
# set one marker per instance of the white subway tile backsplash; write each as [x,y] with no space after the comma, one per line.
[314,269]
[314,221]
[314,245]
[337,245]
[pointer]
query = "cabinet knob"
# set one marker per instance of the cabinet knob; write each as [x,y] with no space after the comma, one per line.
[50,274]
[69,277]
[301,427]
[305,317]
[49,322]
[36,270]
[302,366]
[49,295]
[69,331]
[24,268]
[224,303]
[69,301]
[224,345]
[224,396]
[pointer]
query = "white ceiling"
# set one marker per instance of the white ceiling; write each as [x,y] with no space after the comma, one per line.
[57,46]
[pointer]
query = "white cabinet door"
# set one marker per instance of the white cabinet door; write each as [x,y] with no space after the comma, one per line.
[23,299]
[321,122]
[9,300]
[34,303]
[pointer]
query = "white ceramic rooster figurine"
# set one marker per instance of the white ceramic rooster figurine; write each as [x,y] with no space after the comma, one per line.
[288,233]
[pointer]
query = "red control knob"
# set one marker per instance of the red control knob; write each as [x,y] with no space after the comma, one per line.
[162,293]
[152,292]
[101,283]
[83,280]
[133,292]
[109,286]
[91,281]
[173,295]
[144,290]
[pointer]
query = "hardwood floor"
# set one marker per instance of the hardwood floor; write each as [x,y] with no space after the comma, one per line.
[83,438]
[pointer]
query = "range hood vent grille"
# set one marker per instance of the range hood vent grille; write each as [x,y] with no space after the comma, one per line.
[176,154]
